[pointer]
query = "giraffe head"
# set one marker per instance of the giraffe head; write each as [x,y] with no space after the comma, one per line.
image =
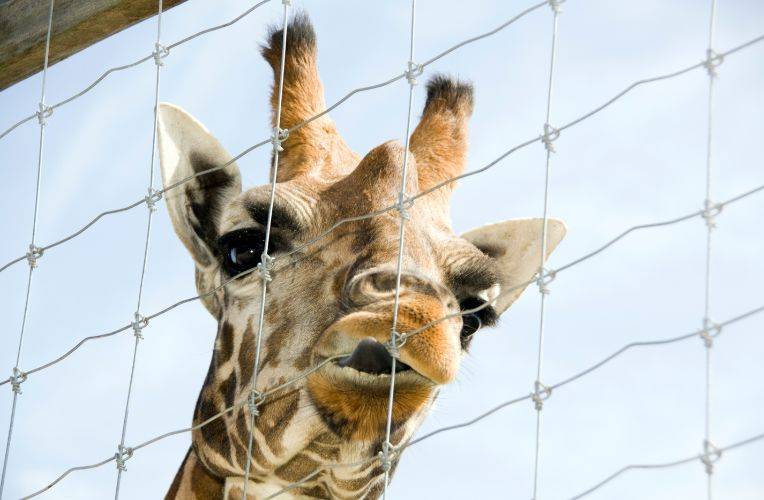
[332,293]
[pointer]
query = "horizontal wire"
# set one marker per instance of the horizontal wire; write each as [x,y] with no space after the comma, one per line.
[262,143]
[555,272]
[591,369]
[736,49]
[132,65]
[316,472]
[418,195]
[665,465]
[568,380]
[69,471]
[208,421]
[468,423]
[408,334]
[422,193]
[521,146]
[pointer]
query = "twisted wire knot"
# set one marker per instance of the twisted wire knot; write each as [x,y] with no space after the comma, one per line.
[394,346]
[386,456]
[541,393]
[550,135]
[713,61]
[254,400]
[403,206]
[124,453]
[138,324]
[710,330]
[711,455]
[152,198]
[33,254]
[265,267]
[278,136]
[545,276]
[710,211]
[288,3]
[160,52]
[413,72]
[43,113]
[556,5]
[16,380]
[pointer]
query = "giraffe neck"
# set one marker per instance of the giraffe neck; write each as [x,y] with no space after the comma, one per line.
[290,441]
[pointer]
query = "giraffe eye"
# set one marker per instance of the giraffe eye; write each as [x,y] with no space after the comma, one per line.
[241,250]
[474,321]
[243,258]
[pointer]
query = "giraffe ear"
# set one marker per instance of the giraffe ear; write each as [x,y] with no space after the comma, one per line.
[186,149]
[516,247]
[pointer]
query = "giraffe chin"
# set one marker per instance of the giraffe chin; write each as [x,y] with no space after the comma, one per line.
[353,404]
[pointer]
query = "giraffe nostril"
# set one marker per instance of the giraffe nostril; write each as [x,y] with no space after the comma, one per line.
[370,356]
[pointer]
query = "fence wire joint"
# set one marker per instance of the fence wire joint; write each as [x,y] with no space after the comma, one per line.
[138,324]
[152,198]
[43,113]
[710,330]
[541,393]
[393,347]
[550,135]
[124,453]
[545,276]
[386,456]
[413,72]
[160,52]
[712,62]
[403,206]
[254,400]
[33,254]
[710,211]
[711,455]
[556,5]
[278,136]
[265,267]
[16,380]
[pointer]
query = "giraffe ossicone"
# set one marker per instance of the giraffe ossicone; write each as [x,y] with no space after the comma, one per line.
[330,299]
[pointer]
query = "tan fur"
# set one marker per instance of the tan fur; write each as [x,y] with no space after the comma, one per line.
[363,415]
[440,140]
[194,482]
[332,286]
[316,147]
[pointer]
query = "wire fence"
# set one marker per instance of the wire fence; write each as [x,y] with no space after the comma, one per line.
[707,333]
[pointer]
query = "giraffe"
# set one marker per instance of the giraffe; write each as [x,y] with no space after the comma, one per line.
[333,295]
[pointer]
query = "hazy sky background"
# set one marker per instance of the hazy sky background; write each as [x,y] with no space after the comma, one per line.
[641,160]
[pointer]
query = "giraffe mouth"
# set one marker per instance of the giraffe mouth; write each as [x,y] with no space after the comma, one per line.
[351,393]
[372,357]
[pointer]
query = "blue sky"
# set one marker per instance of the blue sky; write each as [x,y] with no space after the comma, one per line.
[641,160]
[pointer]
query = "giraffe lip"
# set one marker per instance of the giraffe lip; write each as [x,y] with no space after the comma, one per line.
[372,357]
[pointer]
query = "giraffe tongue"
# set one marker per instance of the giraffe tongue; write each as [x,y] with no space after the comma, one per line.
[371,357]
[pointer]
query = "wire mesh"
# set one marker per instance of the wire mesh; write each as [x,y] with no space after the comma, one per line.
[709,331]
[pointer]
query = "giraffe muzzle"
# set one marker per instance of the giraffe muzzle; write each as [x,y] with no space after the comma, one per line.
[361,337]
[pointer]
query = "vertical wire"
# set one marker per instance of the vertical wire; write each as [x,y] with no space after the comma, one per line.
[540,352]
[399,265]
[137,325]
[33,251]
[709,230]
[265,259]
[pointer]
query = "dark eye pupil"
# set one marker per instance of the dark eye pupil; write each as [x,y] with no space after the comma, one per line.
[241,250]
[242,256]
